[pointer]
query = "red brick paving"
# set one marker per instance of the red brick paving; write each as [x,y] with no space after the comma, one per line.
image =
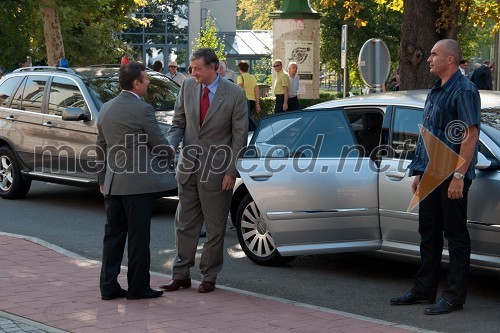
[59,291]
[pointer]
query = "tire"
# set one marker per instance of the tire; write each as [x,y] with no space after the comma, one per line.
[254,237]
[12,184]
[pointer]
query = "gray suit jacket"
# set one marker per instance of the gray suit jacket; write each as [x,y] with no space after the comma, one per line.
[131,149]
[215,146]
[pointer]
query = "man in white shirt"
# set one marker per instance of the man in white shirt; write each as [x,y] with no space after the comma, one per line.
[463,66]
[225,72]
[174,74]
[293,100]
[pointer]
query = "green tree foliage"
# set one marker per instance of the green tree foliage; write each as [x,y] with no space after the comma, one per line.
[254,14]
[208,37]
[88,29]
[378,23]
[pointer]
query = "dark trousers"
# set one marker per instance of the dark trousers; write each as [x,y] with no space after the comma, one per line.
[438,215]
[293,103]
[278,105]
[127,215]
[252,124]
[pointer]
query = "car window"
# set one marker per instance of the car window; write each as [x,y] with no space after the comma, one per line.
[302,135]
[102,89]
[29,96]
[162,93]
[405,132]
[64,93]
[7,89]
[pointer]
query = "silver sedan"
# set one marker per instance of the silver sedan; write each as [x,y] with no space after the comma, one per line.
[333,178]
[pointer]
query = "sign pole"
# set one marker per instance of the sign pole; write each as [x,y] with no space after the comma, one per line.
[343,58]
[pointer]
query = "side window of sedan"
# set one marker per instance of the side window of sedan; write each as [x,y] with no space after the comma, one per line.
[307,134]
[64,93]
[405,132]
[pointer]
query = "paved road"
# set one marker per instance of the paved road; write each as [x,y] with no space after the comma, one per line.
[358,283]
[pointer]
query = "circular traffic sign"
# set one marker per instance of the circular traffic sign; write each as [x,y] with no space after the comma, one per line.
[374,62]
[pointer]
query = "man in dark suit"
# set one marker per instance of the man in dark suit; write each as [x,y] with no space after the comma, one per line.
[482,77]
[211,119]
[132,154]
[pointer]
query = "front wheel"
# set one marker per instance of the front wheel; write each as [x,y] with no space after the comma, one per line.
[254,237]
[12,184]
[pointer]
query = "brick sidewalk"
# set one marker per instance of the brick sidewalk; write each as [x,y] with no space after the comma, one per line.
[47,285]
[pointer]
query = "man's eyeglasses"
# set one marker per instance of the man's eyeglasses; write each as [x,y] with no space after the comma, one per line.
[172,66]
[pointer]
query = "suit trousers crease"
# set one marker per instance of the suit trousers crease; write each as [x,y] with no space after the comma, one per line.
[440,216]
[198,205]
[127,215]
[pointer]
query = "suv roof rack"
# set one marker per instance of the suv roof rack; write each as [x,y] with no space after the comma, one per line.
[105,65]
[44,68]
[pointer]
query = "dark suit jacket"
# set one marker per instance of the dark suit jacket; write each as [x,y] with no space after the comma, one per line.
[482,78]
[131,149]
[221,138]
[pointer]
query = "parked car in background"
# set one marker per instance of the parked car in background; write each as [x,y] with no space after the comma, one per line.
[48,122]
[333,178]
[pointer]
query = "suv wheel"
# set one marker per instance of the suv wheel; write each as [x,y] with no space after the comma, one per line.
[12,184]
[254,237]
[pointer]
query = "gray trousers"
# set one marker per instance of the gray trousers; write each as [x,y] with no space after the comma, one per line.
[198,205]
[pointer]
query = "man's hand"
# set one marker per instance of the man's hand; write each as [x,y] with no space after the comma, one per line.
[101,188]
[285,106]
[456,189]
[414,185]
[228,182]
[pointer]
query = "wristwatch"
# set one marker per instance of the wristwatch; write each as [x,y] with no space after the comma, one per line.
[458,175]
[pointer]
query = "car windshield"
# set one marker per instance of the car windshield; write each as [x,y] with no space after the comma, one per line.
[162,92]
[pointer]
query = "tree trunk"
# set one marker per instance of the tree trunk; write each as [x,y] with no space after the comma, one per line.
[52,32]
[418,36]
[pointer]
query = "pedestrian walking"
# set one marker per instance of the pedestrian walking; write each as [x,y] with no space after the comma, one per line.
[281,87]
[293,99]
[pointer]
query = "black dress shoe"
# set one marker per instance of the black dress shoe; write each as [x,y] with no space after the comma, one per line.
[442,307]
[151,293]
[117,294]
[176,284]
[206,287]
[410,298]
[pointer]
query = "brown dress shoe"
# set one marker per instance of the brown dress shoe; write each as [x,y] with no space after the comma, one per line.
[206,287]
[175,284]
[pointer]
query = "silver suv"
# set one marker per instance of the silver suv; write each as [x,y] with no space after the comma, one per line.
[48,122]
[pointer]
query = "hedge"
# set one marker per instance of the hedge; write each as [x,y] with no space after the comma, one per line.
[267,103]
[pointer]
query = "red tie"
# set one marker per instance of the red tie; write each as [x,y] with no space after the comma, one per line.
[204,105]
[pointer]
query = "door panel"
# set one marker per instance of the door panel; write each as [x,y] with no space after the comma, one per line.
[23,120]
[69,146]
[397,224]
[399,227]
[302,171]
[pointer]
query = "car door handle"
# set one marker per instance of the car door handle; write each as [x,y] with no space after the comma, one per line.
[11,117]
[260,175]
[395,175]
[48,124]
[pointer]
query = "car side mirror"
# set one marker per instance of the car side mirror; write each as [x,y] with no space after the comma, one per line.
[482,161]
[75,114]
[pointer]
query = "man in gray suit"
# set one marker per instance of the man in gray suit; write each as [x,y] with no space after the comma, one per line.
[132,155]
[212,121]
